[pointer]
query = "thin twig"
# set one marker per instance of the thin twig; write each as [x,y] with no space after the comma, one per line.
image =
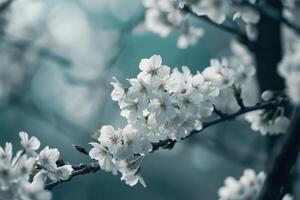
[78,170]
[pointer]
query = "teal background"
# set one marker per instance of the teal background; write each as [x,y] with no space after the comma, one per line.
[64,104]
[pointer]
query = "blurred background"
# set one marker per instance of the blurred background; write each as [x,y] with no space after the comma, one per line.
[57,58]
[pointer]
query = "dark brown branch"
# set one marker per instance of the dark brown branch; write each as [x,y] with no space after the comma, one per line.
[41,51]
[282,165]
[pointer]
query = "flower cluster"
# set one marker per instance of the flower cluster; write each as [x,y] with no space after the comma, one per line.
[237,71]
[250,18]
[22,177]
[159,104]
[289,69]
[247,187]
[290,9]
[165,16]
[270,122]
[288,197]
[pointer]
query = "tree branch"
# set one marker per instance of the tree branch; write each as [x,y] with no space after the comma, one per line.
[93,167]
[39,50]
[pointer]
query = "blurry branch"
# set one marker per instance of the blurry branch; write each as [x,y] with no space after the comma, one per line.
[283,163]
[5,5]
[93,167]
[234,30]
[269,11]
[41,51]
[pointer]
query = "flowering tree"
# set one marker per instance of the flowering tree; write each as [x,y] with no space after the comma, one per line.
[165,105]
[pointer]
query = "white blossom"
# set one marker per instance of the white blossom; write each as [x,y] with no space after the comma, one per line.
[61,173]
[250,17]
[35,190]
[162,16]
[219,73]
[152,69]
[119,90]
[132,177]
[189,37]
[289,69]
[216,10]
[48,158]
[165,16]
[163,107]
[268,122]
[288,197]
[99,153]
[247,187]
[130,109]
[226,101]
[180,82]
[133,143]
[16,172]
[139,90]
[267,95]
[110,138]
[30,145]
